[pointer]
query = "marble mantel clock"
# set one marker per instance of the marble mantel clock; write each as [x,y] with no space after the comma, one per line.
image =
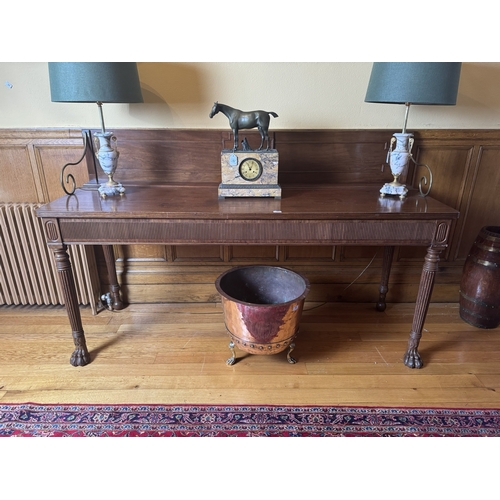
[251,174]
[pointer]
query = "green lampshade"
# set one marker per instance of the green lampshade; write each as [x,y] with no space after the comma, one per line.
[414,82]
[94,82]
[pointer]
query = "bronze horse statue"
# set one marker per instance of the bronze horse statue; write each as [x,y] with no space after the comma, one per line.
[244,120]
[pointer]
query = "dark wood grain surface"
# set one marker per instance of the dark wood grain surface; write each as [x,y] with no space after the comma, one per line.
[201,202]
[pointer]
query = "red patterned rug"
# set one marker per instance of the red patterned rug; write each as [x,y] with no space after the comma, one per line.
[76,420]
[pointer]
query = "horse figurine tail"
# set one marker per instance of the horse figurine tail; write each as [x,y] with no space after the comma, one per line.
[272,113]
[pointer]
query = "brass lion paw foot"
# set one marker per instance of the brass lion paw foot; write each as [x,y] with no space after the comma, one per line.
[289,358]
[230,361]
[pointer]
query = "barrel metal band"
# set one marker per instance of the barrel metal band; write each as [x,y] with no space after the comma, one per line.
[484,262]
[488,249]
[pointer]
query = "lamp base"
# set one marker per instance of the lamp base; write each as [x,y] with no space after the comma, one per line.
[394,189]
[91,186]
[111,188]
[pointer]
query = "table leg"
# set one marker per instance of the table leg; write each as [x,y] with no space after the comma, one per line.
[412,358]
[115,300]
[80,356]
[384,282]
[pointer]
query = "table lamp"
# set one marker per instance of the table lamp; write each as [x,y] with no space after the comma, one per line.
[424,83]
[99,82]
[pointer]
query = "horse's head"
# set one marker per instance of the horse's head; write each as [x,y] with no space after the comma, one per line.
[215,110]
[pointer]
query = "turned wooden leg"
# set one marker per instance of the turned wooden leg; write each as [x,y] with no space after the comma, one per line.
[384,281]
[80,356]
[115,299]
[412,358]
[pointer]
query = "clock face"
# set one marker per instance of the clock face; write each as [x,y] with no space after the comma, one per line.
[250,169]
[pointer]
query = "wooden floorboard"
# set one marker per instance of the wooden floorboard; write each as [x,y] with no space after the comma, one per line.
[347,354]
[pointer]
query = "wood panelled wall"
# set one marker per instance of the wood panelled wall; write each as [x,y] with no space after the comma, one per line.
[466,175]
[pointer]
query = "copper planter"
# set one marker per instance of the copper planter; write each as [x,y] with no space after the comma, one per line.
[262,308]
[480,285]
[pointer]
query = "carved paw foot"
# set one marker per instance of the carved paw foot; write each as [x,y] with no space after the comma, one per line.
[80,357]
[412,359]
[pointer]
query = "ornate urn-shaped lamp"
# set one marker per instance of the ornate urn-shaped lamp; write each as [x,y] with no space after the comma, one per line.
[426,83]
[107,154]
[99,82]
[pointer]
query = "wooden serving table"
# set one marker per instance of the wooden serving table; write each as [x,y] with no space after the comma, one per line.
[325,215]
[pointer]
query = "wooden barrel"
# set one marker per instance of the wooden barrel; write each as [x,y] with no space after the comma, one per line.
[480,285]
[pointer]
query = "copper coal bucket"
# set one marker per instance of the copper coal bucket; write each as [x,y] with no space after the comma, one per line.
[480,285]
[262,308]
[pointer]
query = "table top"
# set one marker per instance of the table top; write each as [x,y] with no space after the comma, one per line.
[341,202]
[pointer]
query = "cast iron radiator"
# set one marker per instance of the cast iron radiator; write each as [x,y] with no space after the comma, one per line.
[28,273]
